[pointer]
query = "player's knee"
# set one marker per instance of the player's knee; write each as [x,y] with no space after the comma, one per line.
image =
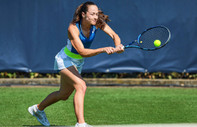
[81,87]
[64,98]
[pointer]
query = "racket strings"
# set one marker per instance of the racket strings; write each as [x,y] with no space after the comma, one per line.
[148,37]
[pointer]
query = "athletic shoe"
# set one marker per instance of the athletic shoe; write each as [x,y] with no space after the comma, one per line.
[83,125]
[40,115]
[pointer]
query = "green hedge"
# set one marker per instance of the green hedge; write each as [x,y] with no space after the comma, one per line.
[155,75]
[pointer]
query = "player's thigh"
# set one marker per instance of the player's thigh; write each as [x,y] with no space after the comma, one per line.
[70,77]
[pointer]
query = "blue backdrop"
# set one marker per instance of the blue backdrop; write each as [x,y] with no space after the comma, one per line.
[33,31]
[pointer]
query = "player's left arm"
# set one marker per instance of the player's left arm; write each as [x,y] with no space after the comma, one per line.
[119,47]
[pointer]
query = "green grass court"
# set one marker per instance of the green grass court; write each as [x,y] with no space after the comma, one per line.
[103,106]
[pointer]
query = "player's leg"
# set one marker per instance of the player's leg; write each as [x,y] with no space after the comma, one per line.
[66,89]
[80,86]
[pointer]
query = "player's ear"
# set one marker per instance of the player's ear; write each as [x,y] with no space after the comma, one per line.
[83,15]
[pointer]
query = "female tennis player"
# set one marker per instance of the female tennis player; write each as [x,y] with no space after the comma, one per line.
[69,61]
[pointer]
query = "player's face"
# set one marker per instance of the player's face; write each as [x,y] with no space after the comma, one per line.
[91,15]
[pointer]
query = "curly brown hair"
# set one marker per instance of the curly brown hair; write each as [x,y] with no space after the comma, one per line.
[102,18]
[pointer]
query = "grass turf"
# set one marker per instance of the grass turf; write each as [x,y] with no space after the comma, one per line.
[111,105]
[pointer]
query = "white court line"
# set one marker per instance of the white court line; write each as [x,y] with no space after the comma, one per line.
[141,125]
[150,125]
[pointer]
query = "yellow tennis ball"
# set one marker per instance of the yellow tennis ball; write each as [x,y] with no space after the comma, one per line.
[157,43]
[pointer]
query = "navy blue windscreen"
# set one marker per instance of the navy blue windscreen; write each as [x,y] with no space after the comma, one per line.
[32,32]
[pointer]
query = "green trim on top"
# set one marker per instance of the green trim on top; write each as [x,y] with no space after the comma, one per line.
[71,54]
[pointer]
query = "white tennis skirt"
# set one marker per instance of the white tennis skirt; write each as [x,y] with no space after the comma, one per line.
[63,61]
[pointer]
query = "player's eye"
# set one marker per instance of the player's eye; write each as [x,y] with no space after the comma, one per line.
[94,14]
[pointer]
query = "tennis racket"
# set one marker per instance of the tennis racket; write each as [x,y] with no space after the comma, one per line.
[147,39]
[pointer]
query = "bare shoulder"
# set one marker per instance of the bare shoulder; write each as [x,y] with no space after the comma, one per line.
[106,27]
[72,31]
[72,27]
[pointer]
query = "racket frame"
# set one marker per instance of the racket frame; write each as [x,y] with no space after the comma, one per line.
[130,45]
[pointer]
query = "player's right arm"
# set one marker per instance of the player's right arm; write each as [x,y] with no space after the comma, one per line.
[73,35]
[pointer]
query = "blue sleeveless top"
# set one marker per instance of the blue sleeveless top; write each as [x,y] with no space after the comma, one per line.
[86,41]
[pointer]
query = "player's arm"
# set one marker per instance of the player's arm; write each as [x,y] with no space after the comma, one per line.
[119,47]
[73,34]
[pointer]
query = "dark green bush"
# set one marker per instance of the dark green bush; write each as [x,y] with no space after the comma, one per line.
[154,75]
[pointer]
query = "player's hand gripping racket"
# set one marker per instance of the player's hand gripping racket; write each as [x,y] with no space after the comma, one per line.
[151,39]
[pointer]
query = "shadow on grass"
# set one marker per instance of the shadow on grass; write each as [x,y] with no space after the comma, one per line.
[43,126]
